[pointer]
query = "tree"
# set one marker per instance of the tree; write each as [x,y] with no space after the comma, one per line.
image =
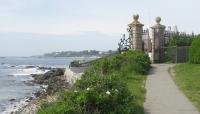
[180,40]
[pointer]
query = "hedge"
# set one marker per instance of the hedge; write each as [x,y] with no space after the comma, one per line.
[194,53]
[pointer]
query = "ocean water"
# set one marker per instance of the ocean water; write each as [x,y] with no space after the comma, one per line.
[15,77]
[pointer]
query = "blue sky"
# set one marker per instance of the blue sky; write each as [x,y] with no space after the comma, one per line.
[32,27]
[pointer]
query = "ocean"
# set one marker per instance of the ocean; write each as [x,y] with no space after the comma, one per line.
[15,73]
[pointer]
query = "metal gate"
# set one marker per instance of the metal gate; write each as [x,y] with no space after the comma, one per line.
[176,54]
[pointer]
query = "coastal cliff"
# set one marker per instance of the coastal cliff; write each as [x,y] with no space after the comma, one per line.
[53,82]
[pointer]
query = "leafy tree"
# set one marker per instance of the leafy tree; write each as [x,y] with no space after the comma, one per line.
[180,40]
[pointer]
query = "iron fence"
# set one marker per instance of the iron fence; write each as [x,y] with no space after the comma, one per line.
[176,54]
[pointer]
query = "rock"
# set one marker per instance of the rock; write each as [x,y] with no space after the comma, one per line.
[42,78]
[30,66]
[27,100]
[37,94]
[38,78]
[71,76]
[12,100]
[44,68]
[53,73]
[30,98]
[44,86]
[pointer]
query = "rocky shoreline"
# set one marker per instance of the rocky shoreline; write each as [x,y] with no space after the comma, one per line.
[52,82]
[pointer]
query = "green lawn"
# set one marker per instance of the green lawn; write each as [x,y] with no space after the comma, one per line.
[187,77]
[136,85]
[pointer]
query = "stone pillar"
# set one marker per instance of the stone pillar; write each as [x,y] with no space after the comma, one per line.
[158,41]
[135,34]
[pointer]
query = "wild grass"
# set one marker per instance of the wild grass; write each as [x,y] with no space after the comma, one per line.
[187,77]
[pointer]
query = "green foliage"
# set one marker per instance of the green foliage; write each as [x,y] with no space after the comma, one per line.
[135,60]
[113,85]
[180,40]
[85,53]
[194,55]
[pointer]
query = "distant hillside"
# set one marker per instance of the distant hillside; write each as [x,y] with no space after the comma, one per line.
[85,53]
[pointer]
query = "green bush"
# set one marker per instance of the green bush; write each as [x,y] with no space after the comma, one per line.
[136,60]
[180,40]
[104,88]
[194,53]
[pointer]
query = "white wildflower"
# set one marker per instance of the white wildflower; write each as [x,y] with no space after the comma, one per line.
[88,89]
[116,90]
[108,92]
[75,91]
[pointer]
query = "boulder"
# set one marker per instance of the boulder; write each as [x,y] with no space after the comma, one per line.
[12,100]
[53,73]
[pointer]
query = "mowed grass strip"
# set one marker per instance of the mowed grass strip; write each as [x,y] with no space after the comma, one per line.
[187,77]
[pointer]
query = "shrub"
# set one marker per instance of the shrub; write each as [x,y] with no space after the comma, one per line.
[107,95]
[194,53]
[103,87]
[136,60]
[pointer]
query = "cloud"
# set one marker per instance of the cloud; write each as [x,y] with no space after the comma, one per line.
[110,17]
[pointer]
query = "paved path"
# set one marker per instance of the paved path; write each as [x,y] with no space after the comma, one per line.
[163,96]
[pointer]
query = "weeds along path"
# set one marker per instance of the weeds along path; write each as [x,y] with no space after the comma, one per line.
[163,96]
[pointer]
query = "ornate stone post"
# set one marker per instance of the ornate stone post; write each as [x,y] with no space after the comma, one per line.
[158,41]
[135,34]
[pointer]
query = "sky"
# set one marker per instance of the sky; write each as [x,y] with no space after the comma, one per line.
[34,27]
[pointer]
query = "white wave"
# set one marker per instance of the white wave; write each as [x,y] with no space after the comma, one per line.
[28,71]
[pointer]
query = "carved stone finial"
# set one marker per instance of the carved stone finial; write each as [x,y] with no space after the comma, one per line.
[136,17]
[158,20]
[135,22]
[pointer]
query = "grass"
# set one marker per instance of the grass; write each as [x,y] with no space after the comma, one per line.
[187,77]
[136,85]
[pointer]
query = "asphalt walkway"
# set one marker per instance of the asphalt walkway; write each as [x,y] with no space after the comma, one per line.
[163,96]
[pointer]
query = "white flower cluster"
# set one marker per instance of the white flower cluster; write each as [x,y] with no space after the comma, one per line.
[116,90]
[108,92]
